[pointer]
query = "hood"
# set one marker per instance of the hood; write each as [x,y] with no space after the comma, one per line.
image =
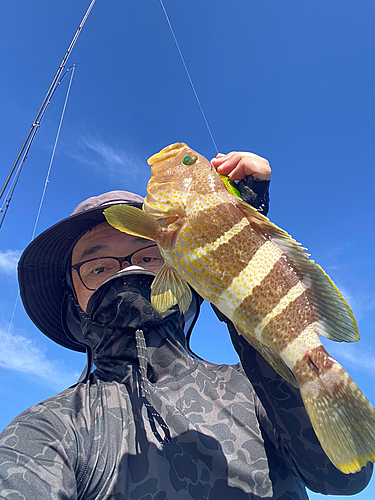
[115,312]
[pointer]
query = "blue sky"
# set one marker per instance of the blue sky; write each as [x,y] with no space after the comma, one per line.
[292,81]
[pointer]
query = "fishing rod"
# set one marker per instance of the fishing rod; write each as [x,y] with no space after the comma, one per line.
[36,123]
[12,188]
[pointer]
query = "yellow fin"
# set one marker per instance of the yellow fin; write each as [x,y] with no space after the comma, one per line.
[271,357]
[168,289]
[132,220]
[342,417]
[335,319]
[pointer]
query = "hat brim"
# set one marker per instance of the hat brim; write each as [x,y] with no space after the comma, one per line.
[42,268]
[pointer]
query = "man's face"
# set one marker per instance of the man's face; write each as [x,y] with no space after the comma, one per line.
[102,241]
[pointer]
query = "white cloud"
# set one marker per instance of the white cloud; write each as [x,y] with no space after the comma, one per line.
[8,261]
[21,354]
[360,301]
[352,355]
[96,153]
[360,355]
[106,152]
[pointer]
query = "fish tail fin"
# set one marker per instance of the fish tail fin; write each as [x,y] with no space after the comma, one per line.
[342,417]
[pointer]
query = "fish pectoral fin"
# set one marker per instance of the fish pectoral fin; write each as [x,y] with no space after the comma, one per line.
[164,215]
[271,357]
[169,289]
[132,220]
[335,319]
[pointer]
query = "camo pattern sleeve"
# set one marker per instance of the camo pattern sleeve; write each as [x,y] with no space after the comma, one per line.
[255,192]
[284,420]
[37,455]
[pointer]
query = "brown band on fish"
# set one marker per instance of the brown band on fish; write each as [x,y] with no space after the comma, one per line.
[292,321]
[320,357]
[198,259]
[203,224]
[318,363]
[232,251]
[272,289]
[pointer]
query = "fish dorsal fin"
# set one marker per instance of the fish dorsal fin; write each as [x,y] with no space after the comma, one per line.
[334,317]
[168,289]
[270,356]
[133,221]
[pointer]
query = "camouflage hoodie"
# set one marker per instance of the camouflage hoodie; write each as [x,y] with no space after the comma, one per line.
[154,423]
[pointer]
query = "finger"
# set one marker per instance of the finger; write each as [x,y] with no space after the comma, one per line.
[237,173]
[227,164]
[224,168]
[220,157]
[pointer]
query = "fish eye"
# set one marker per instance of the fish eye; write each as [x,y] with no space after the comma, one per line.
[189,160]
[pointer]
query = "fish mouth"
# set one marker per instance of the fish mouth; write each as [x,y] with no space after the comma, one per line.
[167,153]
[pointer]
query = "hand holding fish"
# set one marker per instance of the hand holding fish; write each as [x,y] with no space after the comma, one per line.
[238,164]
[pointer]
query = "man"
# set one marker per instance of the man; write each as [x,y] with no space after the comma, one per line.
[152,422]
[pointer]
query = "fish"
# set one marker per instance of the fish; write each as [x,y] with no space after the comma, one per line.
[260,278]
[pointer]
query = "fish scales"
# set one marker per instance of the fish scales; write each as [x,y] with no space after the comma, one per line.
[263,316]
[246,249]
[293,320]
[228,243]
[261,279]
[278,283]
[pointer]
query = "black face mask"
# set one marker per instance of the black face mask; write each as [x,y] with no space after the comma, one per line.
[115,311]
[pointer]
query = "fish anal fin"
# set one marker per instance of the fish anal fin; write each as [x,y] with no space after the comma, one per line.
[270,356]
[168,289]
[342,417]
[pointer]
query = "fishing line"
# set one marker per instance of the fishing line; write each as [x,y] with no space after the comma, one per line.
[72,69]
[54,149]
[188,74]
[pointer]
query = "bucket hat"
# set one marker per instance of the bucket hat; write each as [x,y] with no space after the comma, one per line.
[43,265]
